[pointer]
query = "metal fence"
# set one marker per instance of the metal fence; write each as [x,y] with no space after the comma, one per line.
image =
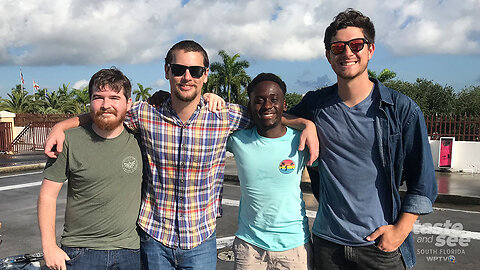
[6,137]
[23,119]
[32,137]
[463,128]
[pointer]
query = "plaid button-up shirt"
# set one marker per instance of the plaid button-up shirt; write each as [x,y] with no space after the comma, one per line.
[183,192]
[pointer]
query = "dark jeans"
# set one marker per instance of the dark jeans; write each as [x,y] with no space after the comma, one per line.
[157,256]
[329,256]
[89,259]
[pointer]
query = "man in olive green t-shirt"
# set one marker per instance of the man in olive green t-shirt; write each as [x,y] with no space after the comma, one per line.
[102,162]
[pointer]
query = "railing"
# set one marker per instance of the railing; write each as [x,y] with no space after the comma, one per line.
[32,137]
[463,128]
[23,119]
[5,137]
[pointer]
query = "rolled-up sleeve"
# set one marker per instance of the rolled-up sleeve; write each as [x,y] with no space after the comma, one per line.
[419,172]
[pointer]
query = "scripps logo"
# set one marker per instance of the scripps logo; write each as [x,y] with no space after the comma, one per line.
[129,164]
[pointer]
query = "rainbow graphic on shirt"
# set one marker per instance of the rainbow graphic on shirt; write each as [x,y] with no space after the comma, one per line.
[286,166]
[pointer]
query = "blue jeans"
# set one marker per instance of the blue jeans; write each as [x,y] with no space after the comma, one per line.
[331,256]
[89,259]
[155,255]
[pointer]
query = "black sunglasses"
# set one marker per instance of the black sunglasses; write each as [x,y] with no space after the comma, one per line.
[355,45]
[179,70]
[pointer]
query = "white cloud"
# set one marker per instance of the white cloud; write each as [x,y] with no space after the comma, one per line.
[80,84]
[162,83]
[78,32]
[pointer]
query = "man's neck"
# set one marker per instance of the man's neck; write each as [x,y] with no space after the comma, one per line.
[184,109]
[108,134]
[354,91]
[275,132]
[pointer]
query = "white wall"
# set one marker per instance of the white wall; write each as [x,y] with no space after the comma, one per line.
[465,156]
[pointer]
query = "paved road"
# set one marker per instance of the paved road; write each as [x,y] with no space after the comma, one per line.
[434,246]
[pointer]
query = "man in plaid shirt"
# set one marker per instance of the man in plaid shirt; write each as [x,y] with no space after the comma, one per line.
[185,149]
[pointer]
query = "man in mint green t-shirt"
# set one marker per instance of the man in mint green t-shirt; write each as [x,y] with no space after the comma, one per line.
[102,162]
[272,224]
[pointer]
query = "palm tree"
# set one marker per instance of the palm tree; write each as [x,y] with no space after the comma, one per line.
[82,99]
[384,76]
[231,76]
[142,93]
[19,102]
[213,84]
[63,90]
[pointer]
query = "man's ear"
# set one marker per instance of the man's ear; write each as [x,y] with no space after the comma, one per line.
[166,68]
[206,75]
[327,55]
[371,50]
[129,103]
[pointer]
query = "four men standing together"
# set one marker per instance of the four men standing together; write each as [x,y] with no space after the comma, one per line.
[362,126]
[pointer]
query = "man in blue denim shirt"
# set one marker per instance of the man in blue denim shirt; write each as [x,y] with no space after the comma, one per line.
[372,139]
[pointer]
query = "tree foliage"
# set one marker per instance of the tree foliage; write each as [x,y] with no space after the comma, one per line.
[141,93]
[384,76]
[292,99]
[60,101]
[468,101]
[229,78]
[19,101]
[430,96]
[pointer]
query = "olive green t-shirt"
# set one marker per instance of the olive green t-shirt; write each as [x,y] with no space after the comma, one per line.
[104,186]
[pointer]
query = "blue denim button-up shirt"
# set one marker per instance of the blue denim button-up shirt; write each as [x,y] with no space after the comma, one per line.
[405,152]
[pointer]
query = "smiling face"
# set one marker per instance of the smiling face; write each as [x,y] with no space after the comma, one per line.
[186,88]
[350,65]
[266,105]
[108,108]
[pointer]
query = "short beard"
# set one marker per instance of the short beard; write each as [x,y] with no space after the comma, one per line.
[185,98]
[104,124]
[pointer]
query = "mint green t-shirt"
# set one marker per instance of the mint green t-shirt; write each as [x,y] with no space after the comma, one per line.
[104,189]
[272,211]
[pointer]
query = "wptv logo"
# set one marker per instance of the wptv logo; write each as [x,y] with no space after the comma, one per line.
[448,239]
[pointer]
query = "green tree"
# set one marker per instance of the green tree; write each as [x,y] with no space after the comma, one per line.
[63,90]
[82,99]
[39,103]
[231,77]
[430,96]
[60,101]
[292,99]
[142,93]
[384,76]
[213,84]
[19,101]
[468,101]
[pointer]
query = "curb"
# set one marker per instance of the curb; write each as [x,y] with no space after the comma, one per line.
[26,167]
[441,198]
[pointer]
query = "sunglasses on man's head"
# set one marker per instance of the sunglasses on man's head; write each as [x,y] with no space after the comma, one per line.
[179,70]
[355,45]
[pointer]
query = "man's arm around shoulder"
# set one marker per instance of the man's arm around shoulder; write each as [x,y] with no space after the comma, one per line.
[57,134]
[309,135]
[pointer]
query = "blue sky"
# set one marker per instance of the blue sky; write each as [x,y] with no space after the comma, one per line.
[59,42]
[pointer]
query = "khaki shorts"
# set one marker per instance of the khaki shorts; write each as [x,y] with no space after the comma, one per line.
[248,256]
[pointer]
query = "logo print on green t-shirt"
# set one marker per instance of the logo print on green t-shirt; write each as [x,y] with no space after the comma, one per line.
[286,166]
[129,164]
